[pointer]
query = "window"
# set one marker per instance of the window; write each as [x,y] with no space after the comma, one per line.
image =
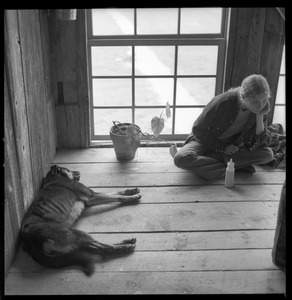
[280,104]
[141,58]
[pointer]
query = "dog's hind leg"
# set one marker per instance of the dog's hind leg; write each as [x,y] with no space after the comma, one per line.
[88,243]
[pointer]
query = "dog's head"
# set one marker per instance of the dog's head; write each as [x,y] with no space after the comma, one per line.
[64,172]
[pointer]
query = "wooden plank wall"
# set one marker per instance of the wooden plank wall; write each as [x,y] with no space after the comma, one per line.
[69,79]
[30,128]
[256,40]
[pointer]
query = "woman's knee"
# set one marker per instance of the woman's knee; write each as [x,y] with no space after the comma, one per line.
[179,160]
[267,154]
[183,160]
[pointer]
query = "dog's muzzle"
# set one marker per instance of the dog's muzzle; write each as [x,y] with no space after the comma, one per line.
[76,175]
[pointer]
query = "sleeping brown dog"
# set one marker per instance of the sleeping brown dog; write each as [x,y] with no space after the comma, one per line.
[47,229]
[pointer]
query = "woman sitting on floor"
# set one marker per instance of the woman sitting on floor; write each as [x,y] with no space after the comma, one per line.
[232,125]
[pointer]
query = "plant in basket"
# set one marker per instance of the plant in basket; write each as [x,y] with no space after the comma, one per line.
[126,136]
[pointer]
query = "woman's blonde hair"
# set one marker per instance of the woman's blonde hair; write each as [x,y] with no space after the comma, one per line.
[254,85]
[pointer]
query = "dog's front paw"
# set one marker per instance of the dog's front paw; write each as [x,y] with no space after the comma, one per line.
[129,241]
[126,248]
[130,191]
[129,199]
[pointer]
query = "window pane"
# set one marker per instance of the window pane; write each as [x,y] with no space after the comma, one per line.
[112,21]
[283,62]
[281,92]
[143,119]
[103,119]
[201,20]
[185,118]
[195,91]
[154,60]
[109,92]
[108,61]
[157,20]
[197,60]
[153,91]
[280,115]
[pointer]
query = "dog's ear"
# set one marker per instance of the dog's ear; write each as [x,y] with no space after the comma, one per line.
[54,170]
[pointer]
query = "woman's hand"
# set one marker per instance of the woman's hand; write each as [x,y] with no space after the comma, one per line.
[265,109]
[231,149]
[260,127]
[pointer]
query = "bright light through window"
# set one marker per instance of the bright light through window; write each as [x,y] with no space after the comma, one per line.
[141,58]
[280,104]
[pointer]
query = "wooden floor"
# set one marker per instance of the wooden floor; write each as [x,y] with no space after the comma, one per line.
[193,236]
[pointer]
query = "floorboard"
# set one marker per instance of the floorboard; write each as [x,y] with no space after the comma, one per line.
[179,217]
[193,236]
[215,193]
[209,282]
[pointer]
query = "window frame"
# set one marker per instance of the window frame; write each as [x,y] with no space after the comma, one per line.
[176,40]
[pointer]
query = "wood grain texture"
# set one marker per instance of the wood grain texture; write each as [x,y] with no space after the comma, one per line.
[174,179]
[191,240]
[69,79]
[199,193]
[261,33]
[137,283]
[82,80]
[13,200]
[193,236]
[29,119]
[273,39]
[17,98]
[180,217]
[141,167]
[166,261]
[32,74]
[13,188]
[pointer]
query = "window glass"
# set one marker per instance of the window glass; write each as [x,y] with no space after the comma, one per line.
[280,115]
[185,118]
[112,21]
[144,116]
[283,62]
[142,58]
[103,119]
[157,20]
[153,91]
[280,105]
[197,60]
[200,20]
[195,91]
[281,93]
[111,60]
[154,60]
[112,92]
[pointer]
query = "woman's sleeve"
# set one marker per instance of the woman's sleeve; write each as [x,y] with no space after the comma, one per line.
[202,128]
[263,139]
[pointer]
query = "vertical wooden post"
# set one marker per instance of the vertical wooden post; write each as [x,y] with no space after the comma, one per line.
[255,45]
[16,91]
[272,50]
[68,56]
